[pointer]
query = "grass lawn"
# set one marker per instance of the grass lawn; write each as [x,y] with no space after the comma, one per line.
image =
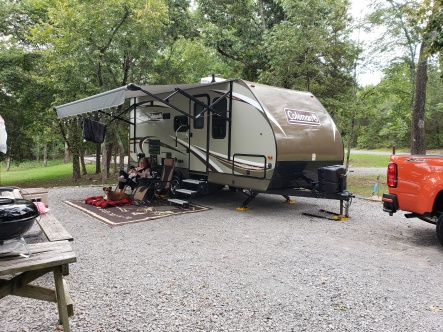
[33,175]
[57,174]
[368,160]
[367,185]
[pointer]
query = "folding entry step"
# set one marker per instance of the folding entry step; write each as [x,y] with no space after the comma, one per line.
[178,202]
[186,191]
[201,185]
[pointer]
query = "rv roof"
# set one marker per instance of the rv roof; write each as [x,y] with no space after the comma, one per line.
[116,97]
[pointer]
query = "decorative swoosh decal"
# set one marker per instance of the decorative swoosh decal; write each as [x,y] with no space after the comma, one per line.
[200,153]
[147,138]
[254,103]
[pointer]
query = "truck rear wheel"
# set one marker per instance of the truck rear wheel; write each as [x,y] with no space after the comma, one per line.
[440,229]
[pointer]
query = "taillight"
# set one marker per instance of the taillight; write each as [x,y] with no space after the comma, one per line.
[392,175]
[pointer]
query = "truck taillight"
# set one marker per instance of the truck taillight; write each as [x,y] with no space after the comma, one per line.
[392,175]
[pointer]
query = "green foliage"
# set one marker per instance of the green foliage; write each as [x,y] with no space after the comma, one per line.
[235,29]
[435,27]
[59,51]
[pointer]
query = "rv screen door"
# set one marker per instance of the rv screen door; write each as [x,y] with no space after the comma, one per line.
[198,137]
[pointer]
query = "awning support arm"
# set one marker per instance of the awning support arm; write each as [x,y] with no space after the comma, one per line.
[134,87]
[118,116]
[205,107]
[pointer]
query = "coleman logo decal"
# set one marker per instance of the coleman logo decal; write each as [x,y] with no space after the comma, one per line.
[155,116]
[302,117]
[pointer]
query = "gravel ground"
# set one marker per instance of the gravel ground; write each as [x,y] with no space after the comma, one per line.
[267,269]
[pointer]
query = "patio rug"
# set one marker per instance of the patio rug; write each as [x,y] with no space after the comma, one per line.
[123,215]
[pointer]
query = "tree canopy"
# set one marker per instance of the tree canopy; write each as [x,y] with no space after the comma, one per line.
[56,51]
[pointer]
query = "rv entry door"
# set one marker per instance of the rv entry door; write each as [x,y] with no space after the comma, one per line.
[198,135]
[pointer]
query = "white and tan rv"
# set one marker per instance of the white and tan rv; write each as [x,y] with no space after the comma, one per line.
[258,138]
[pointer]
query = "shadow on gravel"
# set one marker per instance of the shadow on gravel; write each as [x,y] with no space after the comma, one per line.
[270,205]
[424,237]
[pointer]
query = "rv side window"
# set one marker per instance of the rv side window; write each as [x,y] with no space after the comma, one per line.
[219,123]
[181,123]
[199,122]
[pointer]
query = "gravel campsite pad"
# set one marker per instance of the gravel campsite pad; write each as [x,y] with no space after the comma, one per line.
[267,269]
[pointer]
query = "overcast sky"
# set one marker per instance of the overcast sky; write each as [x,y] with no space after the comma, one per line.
[359,9]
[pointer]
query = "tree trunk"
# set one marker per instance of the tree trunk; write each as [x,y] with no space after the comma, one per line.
[262,15]
[82,161]
[74,143]
[98,148]
[67,157]
[8,163]
[104,161]
[38,152]
[45,155]
[418,114]
[121,153]
[75,163]
[109,149]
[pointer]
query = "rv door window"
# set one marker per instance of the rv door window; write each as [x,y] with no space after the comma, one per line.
[181,123]
[219,123]
[199,122]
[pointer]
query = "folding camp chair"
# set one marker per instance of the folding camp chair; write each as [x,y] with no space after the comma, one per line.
[163,185]
[148,188]
[145,191]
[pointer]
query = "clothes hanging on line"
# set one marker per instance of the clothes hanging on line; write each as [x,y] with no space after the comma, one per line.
[93,131]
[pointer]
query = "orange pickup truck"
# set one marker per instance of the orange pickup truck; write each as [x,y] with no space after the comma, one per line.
[415,184]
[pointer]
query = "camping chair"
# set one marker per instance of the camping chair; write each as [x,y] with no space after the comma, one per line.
[149,188]
[163,184]
[143,194]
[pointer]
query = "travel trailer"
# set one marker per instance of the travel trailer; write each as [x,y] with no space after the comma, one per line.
[248,136]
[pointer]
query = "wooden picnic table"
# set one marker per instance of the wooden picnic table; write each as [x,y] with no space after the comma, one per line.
[54,255]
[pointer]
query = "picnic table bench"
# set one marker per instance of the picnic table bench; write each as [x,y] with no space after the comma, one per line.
[53,255]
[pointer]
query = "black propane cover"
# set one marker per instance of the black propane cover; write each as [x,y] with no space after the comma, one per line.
[332,179]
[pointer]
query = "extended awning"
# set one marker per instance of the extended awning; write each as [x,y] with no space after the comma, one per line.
[116,97]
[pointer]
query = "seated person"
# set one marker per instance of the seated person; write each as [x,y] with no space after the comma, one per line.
[142,171]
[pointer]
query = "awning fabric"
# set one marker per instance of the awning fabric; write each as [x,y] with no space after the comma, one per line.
[101,101]
[116,97]
[3,136]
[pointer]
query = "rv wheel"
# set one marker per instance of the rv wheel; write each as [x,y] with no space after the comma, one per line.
[175,184]
[440,229]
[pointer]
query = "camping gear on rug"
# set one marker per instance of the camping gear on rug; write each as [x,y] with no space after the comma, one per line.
[100,202]
[129,214]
